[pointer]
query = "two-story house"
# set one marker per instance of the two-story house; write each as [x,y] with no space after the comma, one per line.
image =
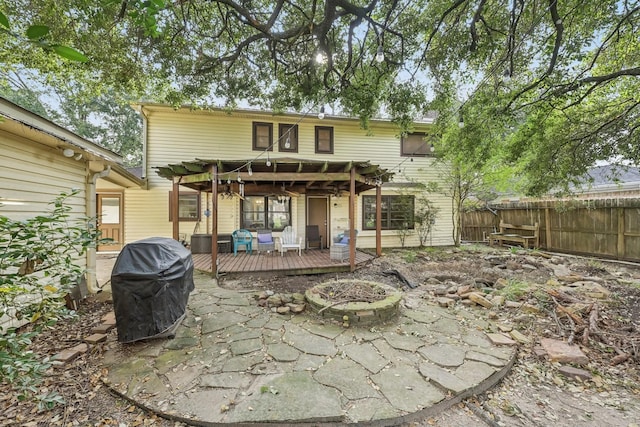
[218,171]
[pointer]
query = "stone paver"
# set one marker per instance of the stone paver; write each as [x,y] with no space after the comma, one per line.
[406,389]
[235,362]
[560,351]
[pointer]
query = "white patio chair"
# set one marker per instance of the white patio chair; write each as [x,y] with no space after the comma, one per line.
[289,240]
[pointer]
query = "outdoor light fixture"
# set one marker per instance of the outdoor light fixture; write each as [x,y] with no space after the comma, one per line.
[250,170]
[239,179]
[287,143]
[379,54]
[460,120]
[321,113]
[268,160]
[68,152]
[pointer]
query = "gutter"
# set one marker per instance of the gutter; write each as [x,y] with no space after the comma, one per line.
[91,276]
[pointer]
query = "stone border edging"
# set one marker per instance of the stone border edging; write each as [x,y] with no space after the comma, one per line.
[358,313]
[483,386]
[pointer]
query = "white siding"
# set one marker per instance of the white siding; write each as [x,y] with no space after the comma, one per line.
[31,177]
[183,135]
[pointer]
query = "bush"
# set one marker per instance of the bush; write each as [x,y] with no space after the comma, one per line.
[38,267]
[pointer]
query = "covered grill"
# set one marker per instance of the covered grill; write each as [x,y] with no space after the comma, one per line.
[151,281]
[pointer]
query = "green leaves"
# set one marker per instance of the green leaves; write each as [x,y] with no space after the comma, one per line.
[4,21]
[69,53]
[37,32]
[37,269]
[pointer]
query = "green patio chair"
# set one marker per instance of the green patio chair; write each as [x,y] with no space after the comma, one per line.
[242,237]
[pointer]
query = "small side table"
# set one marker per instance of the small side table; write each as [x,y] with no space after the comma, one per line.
[224,246]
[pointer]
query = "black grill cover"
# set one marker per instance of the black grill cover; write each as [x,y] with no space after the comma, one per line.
[151,281]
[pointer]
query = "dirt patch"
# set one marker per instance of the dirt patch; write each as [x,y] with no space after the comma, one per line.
[535,393]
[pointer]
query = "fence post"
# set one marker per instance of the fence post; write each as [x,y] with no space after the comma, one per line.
[621,253]
[547,228]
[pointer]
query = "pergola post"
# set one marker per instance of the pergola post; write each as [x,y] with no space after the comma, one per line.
[379,220]
[214,219]
[352,216]
[175,211]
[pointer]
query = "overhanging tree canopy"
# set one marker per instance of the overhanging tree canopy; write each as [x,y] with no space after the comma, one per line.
[545,87]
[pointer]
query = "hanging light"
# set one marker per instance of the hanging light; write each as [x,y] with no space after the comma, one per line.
[250,170]
[460,120]
[268,160]
[239,179]
[287,143]
[321,113]
[379,54]
[228,179]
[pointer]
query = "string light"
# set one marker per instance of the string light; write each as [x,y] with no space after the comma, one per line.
[287,143]
[379,54]
[250,170]
[321,113]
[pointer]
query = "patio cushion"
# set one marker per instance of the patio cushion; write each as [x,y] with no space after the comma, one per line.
[344,241]
[264,238]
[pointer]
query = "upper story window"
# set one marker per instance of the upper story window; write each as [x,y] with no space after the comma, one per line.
[324,139]
[188,206]
[262,136]
[416,144]
[288,138]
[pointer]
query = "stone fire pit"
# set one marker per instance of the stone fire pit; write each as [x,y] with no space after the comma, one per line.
[354,302]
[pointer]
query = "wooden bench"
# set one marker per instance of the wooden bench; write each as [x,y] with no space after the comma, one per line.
[526,235]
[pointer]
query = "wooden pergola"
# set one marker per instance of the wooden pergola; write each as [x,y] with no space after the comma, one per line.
[281,176]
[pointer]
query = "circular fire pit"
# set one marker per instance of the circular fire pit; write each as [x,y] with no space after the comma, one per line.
[357,302]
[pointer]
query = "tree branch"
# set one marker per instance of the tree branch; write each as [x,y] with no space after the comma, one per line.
[559,29]
[472,27]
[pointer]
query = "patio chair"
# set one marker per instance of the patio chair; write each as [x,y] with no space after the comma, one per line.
[313,236]
[288,240]
[265,241]
[340,249]
[242,237]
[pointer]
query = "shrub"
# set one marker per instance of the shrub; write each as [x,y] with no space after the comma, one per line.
[38,267]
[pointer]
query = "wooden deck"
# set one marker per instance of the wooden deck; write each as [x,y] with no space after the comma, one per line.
[311,262]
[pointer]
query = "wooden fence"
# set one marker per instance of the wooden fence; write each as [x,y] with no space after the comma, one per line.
[608,228]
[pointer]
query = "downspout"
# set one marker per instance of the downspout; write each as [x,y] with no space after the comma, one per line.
[92,282]
[145,126]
